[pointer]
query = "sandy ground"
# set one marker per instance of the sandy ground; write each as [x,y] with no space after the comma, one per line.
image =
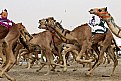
[23,74]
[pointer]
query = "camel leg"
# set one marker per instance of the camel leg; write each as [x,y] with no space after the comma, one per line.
[36,56]
[18,47]
[64,60]
[95,47]
[83,50]
[75,53]
[48,58]
[42,65]
[8,77]
[114,58]
[29,60]
[10,58]
[97,63]
[105,45]
[3,58]
[42,61]
[10,62]
[64,52]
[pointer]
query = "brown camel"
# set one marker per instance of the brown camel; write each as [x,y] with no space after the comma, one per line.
[103,13]
[82,34]
[23,40]
[82,38]
[45,40]
[8,37]
[47,43]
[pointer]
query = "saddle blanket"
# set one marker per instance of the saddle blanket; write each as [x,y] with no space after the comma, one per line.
[7,23]
[98,29]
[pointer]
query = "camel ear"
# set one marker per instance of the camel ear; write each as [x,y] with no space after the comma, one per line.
[39,21]
[105,8]
[21,23]
[52,18]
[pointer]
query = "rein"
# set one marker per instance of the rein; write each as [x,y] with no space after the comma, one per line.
[52,30]
[103,14]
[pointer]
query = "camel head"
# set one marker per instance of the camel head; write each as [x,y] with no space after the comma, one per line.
[24,32]
[46,23]
[101,12]
[42,24]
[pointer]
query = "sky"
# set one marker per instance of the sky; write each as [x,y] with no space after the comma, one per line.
[72,12]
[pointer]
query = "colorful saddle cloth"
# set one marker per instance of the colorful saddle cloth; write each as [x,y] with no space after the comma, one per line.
[98,29]
[6,22]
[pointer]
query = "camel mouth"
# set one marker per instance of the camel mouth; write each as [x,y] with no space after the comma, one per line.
[91,11]
[42,27]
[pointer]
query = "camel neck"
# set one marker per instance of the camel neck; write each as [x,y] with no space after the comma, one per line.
[116,30]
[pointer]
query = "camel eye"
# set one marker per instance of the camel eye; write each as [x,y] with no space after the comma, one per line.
[99,10]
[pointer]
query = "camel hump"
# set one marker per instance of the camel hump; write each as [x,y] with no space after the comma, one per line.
[84,24]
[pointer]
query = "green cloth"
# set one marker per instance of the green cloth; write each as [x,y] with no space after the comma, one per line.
[102,23]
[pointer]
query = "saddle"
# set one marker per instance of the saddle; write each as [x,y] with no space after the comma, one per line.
[6,23]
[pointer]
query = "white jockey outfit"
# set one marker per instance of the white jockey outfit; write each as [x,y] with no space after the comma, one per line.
[95,22]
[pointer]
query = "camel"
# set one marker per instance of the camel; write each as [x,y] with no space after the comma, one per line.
[102,14]
[47,43]
[106,16]
[27,56]
[71,35]
[23,40]
[83,39]
[8,37]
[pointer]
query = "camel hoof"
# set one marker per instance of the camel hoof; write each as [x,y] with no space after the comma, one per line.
[88,74]
[74,70]
[78,59]
[37,70]
[58,70]
[52,70]
[88,69]
[65,69]
[105,76]
[12,79]
[46,74]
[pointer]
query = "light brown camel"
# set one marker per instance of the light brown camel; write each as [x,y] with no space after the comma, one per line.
[46,42]
[106,16]
[83,38]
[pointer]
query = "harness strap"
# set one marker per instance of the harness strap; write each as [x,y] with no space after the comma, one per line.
[103,14]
